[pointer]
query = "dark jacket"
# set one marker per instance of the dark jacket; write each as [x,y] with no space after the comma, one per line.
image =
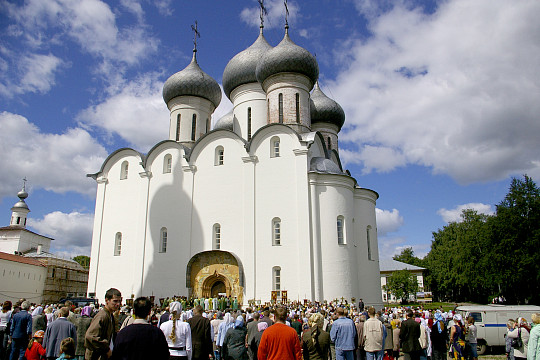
[21,325]
[140,342]
[98,336]
[39,322]
[81,325]
[234,345]
[200,337]
[316,344]
[409,335]
[255,342]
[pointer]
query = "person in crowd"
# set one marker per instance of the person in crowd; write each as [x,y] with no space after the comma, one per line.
[141,340]
[252,329]
[39,319]
[389,340]
[215,323]
[316,341]
[177,333]
[343,334]
[60,329]
[533,347]
[5,317]
[20,331]
[471,339]
[279,341]
[100,332]
[360,351]
[253,345]
[228,323]
[439,336]
[457,338]
[81,326]
[67,348]
[296,324]
[424,339]
[409,336]
[521,330]
[510,324]
[200,335]
[396,323]
[165,316]
[266,317]
[373,337]
[35,350]
[234,344]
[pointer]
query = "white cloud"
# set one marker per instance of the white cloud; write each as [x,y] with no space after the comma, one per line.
[136,113]
[454,215]
[389,246]
[224,107]
[164,7]
[55,162]
[388,221]
[72,233]
[275,17]
[456,91]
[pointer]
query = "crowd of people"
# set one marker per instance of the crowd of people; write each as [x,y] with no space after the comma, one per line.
[182,329]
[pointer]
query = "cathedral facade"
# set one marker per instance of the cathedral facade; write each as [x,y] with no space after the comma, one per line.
[259,203]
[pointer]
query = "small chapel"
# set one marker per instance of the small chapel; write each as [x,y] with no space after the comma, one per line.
[257,208]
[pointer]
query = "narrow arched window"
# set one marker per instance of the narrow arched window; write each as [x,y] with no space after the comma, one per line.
[193,127]
[167,164]
[340,232]
[163,240]
[368,235]
[178,128]
[329,143]
[297,107]
[217,237]
[219,156]
[249,123]
[280,97]
[124,170]
[276,232]
[274,147]
[276,278]
[118,244]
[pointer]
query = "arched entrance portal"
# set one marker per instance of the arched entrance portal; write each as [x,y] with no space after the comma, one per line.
[212,273]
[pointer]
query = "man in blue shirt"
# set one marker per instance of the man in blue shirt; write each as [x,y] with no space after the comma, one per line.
[343,334]
[20,331]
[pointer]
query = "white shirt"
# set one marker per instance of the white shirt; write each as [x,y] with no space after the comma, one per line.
[183,337]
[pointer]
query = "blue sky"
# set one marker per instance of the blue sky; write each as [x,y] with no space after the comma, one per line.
[441,97]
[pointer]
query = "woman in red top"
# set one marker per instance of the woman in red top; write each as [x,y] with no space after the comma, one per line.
[35,351]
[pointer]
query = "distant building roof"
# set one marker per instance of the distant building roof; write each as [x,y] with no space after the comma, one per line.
[47,255]
[20,259]
[18,228]
[393,265]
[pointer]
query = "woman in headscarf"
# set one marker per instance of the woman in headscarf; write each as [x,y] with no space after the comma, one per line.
[177,333]
[256,340]
[81,324]
[457,338]
[228,323]
[39,320]
[316,341]
[234,344]
[521,330]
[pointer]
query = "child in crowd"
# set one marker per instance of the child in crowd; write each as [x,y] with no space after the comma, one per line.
[35,350]
[67,349]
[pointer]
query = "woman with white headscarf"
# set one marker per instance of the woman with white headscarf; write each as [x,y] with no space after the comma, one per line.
[521,330]
[177,333]
[228,323]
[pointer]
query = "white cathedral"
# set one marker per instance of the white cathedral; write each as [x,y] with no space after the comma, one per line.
[259,203]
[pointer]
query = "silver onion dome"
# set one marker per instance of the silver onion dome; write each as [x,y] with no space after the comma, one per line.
[325,166]
[324,109]
[192,81]
[226,122]
[287,57]
[241,68]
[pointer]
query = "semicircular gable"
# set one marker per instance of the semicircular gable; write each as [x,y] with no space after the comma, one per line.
[159,148]
[115,157]
[269,131]
[211,137]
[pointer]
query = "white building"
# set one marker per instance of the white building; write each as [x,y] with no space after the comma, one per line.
[389,266]
[258,203]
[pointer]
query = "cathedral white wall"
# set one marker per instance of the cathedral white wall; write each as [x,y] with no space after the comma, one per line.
[249,96]
[19,280]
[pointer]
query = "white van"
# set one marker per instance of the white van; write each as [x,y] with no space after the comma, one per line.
[490,321]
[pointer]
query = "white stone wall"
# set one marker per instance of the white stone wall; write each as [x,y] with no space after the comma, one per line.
[249,96]
[19,280]
[21,240]
[187,106]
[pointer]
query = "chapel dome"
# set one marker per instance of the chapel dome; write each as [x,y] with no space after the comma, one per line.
[324,109]
[192,81]
[323,165]
[287,57]
[226,122]
[241,68]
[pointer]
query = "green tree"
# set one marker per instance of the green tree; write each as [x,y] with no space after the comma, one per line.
[401,284]
[407,256]
[83,260]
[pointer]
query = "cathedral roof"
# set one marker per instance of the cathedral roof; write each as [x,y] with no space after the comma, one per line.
[324,109]
[287,57]
[194,82]
[226,122]
[241,68]
[323,165]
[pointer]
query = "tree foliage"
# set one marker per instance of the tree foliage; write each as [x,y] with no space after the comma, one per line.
[83,260]
[401,284]
[407,256]
[484,256]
